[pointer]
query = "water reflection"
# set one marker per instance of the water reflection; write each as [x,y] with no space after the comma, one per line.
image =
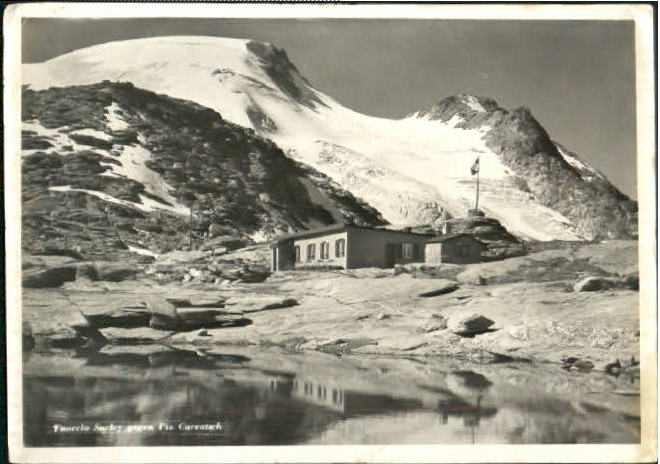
[319,400]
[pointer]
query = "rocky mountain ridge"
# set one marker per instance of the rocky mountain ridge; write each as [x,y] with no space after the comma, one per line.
[109,166]
[551,173]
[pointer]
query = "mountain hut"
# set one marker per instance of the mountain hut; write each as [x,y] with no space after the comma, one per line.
[455,248]
[347,247]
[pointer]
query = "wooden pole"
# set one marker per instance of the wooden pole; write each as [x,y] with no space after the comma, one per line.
[190,230]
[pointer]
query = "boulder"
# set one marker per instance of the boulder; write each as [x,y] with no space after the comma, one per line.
[577,364]
[84,284]
[249,273]
[473,276]
[28,338]
[179,257]
[48,271]
[200,315]
[254,273]
[195,273]
[167,316]
[86,271]
[198,302]
[448,288]
[631,281]
[435,271]
[595,284]
[55,251]
[467,326]
[84,334]
[227,242]
[114,272]
[53,277]
[86,331]
[285,303]
[203,321]
[121,318]
[399,269]
[439,322]
[160,306]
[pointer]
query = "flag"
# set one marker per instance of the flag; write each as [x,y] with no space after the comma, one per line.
[475,167]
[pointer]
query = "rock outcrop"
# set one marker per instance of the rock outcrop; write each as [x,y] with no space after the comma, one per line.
[596,284]
[469,326]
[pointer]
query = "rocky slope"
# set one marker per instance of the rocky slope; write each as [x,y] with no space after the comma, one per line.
[411,170]
[109,167]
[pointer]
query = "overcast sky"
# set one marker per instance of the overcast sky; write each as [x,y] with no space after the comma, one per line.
[578,78]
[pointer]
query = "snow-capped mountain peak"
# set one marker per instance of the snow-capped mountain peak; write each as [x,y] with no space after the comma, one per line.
[410,169]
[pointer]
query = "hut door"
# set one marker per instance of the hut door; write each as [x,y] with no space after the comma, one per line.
[390,254]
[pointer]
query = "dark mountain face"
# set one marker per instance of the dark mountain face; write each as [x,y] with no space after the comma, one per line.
[596,207]
[231,178]
[275,62]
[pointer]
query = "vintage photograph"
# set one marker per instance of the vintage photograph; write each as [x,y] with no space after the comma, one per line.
[269,231]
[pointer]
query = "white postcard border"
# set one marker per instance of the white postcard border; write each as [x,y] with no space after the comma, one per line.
[646,99]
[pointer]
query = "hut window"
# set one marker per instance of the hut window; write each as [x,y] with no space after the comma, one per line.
[311,252]
[325,250]
[407,250]
[296,250]
[340,248]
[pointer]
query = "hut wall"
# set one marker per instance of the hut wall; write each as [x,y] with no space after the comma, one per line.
[333,261]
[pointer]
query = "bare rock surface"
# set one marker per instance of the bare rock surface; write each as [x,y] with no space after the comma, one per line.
[545,266]
[618,257]
[134,336]
[255,303]
[538,319]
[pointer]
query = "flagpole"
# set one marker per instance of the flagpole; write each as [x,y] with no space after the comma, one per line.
[476,205]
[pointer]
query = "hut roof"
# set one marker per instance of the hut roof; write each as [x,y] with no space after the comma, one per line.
[453,236]
[341,228]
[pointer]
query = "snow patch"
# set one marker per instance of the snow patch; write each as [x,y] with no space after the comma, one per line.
[454,121]
[114,119]
[133,159]
[147,208]
[473,103]
[61,143]
[142,251]
[92,133]
[578,164]
[260,237]
[154,205]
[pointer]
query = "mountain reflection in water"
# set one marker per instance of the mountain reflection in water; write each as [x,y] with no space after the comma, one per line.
[263,397]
